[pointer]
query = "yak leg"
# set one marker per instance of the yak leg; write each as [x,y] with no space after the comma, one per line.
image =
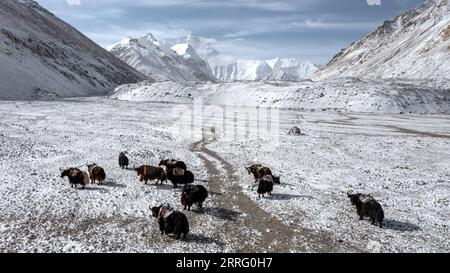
[162,227]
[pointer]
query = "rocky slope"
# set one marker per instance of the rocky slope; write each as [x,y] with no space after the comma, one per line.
[415,45]
[43,57]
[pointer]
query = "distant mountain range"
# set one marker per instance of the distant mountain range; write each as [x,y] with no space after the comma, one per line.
[193,58]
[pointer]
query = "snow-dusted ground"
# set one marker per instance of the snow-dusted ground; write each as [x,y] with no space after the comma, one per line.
[40,212]
[401,159]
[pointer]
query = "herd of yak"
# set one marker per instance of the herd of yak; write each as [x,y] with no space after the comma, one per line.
[175,222]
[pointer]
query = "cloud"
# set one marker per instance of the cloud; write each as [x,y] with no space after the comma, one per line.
[73,2]
[249,27]
[280,5]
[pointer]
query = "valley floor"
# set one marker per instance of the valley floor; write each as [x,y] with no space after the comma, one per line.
[401,159]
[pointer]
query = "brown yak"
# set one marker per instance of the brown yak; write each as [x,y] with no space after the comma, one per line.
[258,171]
[96,173]
[149,173]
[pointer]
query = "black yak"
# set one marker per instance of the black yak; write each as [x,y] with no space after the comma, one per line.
[76,177]
[123,161]
[180,177]
[193,194]
[367,206]
[96,173]
[147,173]
[266,184]
[172,164]
[171,222]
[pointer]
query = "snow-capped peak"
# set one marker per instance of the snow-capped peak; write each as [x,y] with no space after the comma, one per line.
[182,49]
[156,59]
[150,37]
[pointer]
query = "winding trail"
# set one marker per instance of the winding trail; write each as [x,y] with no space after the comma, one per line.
[241,214]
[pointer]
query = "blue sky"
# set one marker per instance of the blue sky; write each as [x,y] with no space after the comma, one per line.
[314,30]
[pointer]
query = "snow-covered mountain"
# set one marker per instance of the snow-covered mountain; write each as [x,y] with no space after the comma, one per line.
[200,61]
[415,45]
[162,62]
[289,69]
[41,57]
[226,68]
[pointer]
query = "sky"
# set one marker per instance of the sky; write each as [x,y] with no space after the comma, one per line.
[313,30]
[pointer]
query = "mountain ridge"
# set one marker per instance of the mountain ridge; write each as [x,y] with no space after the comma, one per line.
[414,45]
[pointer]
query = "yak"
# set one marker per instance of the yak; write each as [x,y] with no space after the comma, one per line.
[266,184]
[123,161]
[76,177]
[170,221]
[96,173]
[147,173]
[193,194]
[367,206]
[180,177]
[172,164]
[258,171]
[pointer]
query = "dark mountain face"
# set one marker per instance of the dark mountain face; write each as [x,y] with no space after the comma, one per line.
[42,56]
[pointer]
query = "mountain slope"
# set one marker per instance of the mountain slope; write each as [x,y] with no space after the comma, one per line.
[415,45]
[159,61]
[41,56]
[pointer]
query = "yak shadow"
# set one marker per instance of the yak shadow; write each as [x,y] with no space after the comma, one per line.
[166,187]
[284,196]
[101,190]
[212,193]
[201,239]
[400,226]
[202,181]
[222,213]
[112,184]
